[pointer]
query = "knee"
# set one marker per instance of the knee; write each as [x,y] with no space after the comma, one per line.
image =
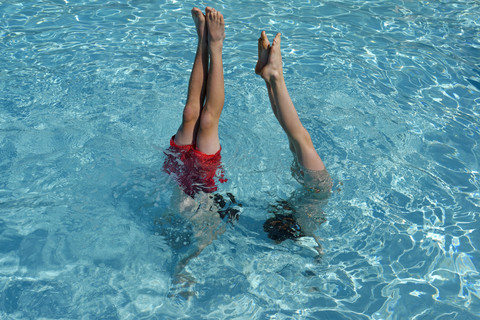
[303,138]
[190,114]
[208,120]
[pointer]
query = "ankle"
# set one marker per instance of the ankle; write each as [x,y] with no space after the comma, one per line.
[202,42]
[191,113]
[215,45]
[273,77]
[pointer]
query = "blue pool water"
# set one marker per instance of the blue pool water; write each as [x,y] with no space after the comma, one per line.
[91,92]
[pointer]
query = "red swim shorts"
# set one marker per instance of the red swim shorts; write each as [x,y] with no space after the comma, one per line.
[194,171]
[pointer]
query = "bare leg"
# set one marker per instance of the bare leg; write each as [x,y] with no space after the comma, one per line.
[271,71]
[263,52]
[197,85]
[207,138]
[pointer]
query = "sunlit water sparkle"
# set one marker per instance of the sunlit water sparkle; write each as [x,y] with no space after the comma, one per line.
[91,92]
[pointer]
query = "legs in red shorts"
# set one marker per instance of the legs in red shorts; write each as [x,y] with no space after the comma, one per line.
[195,148]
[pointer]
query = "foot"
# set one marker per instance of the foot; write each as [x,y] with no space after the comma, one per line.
[199,19]
[215,26]
[273,68]
[263,51]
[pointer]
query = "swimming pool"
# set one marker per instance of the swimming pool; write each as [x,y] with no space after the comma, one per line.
[91,92]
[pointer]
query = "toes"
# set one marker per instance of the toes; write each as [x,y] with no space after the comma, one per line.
[277,39]
[209,11]
[260,44]
[196,11]
[210,14]
[264,40]
[198,15]
[215,16]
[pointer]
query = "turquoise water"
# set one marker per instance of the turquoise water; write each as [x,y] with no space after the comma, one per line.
[91,92]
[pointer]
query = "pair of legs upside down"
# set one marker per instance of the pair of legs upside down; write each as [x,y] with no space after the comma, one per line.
[196,142]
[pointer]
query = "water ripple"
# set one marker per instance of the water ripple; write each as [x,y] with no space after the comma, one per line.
[91,91]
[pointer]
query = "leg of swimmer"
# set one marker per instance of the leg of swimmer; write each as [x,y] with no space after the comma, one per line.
[275,112]
[207,137]
[197,84]
[271,97]
[299,139]
[263,53]
[287,115]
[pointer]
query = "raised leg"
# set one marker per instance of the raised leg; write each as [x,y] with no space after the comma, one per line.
[269,67]
[207,140]
[197,85]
